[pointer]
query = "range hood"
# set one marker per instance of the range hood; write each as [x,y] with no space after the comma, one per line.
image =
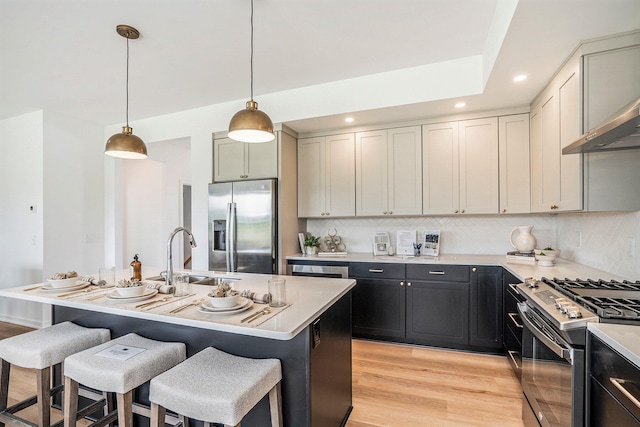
[620,132]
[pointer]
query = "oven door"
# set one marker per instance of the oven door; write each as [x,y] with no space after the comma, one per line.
[552,375]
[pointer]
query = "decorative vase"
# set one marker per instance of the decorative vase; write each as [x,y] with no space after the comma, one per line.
[525,242]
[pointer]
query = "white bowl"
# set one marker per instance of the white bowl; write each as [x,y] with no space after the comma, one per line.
[545,260]
[62,283]
[131,291]
[225,302]
[554,252]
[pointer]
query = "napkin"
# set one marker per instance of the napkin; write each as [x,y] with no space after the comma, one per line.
[255,297]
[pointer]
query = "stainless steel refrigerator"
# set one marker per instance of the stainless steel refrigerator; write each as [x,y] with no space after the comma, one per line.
[243,226]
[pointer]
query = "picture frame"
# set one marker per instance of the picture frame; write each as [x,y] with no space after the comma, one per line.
[381,243]
[431,243]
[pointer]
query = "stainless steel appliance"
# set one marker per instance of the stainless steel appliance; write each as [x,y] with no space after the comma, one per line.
[243,226]
[319,270]
[555,315]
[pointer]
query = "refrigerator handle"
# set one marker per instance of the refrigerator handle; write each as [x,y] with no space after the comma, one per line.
[227,238]
[231,249]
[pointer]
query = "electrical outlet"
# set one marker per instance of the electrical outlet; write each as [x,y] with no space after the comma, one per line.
[630,247]
[579,239]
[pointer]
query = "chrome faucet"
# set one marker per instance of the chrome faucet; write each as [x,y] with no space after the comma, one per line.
[192,242]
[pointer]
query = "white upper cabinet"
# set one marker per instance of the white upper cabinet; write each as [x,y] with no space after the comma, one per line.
[326,176]
[515,178]
[235,160]
[389,172]
[556,180]
[460,161]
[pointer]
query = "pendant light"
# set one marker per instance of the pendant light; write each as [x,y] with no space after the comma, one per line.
[251,125]
[126,145]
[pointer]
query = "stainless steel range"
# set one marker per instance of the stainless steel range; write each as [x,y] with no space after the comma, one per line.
[555,316]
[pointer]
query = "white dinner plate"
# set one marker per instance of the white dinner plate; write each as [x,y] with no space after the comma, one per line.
[207,308]
[114,296]
[77,286]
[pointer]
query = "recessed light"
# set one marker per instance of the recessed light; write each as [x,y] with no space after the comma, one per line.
[460,104]
[348,119]
[520,78]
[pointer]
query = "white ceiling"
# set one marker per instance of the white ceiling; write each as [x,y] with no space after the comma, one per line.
[65,55]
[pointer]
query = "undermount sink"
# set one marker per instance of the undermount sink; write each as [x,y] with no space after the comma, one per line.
[199,280]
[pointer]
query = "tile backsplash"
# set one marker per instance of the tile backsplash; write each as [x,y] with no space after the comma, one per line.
[598,240]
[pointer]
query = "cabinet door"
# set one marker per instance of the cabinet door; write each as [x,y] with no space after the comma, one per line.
[229,160]
[478,141]
[440,164]
[378,308]
[311,177]
[514,164]
[371,173]
[438,312]
[486,307]
[545,156]
[340,175]
[262,160]
[570,198]
[404,147]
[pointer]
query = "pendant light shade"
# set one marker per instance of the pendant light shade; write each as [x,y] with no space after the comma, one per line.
[251,125]
[126,145]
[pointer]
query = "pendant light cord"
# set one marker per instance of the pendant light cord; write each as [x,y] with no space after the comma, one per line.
[252,50]
[127,81]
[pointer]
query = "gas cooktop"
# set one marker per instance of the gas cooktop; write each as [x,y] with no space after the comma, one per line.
[611,300]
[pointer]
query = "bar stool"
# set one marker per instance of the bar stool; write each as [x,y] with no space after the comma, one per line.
[117,366]
[40,350]
[214,386]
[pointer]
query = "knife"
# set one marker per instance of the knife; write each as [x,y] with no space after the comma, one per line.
[167,302]
[81,291]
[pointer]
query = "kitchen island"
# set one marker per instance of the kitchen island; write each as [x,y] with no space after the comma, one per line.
[311,337]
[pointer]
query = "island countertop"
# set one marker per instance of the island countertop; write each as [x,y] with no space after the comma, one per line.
[307,297]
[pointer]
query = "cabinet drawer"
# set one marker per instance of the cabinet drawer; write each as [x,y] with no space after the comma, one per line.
[377,270]
[439,273]
[618,375]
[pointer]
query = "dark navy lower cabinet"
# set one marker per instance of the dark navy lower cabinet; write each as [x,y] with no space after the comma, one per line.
[485,323]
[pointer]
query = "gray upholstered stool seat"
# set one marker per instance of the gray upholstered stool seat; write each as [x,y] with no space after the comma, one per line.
[214,386]
[120,376]
[40,350]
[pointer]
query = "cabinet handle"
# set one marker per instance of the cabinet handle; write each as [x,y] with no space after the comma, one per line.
[376,270]
[554,207]
[512,316]
[504,210]
[390,212]
[513,359]
[322,213]
[474,269]
[456,211]
[618,383]
[513,286]
[401,283]
[462,211]
[409,284]
[385,213]
[328,213]
[441,273]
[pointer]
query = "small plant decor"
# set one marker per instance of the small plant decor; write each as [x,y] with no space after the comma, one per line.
[311,244]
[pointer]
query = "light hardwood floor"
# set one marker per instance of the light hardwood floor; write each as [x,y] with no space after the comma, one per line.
[393,385]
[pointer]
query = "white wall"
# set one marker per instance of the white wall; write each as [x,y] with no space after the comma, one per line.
[21,232]
[53,162]
[152,202]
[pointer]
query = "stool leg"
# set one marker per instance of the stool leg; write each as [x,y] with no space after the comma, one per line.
[70,406]
[5,367]
[125,409]
[275,405]
[43,380]
[157,415]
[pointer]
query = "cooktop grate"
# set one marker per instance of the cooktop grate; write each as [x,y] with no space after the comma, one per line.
[615,285]
[613,308]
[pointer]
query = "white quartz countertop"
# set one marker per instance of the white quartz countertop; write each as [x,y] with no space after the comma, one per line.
[561,269]
[625,339]
[308,297]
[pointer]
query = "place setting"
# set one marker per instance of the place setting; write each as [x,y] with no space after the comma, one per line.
[127,291]
[62,282]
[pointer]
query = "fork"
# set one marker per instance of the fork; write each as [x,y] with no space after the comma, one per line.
[182,307]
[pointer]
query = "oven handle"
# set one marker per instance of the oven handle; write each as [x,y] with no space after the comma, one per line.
[565,353]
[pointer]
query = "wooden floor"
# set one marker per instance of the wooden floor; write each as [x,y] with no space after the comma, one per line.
[393,385]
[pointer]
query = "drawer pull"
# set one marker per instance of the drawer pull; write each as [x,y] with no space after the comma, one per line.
[513,286]
[512,316]
[513,359]
[440,273]
[618,382]
[376,270]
